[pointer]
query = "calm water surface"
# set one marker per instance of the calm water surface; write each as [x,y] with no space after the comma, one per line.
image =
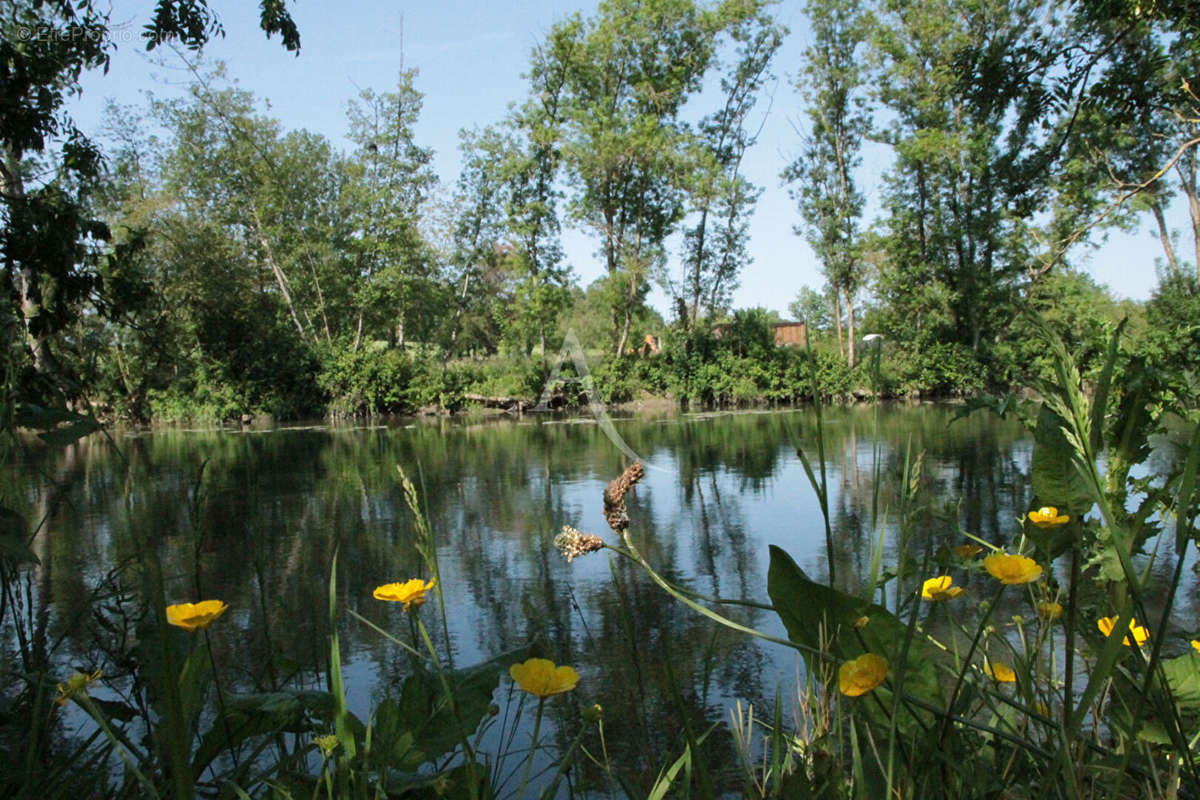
[255,517]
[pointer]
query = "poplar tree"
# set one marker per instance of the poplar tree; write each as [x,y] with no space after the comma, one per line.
[823,175]
[629,72]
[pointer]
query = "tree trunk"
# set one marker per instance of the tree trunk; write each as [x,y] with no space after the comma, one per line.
[850,329]
[44,361]
[624,334]
[1186,167]
[280,278]
[1164,236]
[837,319]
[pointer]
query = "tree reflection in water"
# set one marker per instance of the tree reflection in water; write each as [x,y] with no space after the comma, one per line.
[255,517]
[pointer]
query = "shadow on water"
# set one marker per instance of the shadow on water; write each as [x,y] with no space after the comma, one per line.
[255,518]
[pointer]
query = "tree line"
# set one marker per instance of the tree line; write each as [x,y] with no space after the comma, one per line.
[209,262]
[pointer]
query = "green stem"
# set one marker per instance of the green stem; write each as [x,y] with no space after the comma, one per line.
[468,751]
[94,712]
[234,752]
[962,673]
[537,726]
[630,551]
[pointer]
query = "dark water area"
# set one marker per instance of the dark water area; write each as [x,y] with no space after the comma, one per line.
[254,518]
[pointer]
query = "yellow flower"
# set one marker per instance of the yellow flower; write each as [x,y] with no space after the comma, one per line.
[1049,609]
[861,622]
[966,550]
[1195,644]
[77,683]
[540,677]
[861,675]
[939,588]
[1001,673]
[1012,569]
[193,616]
[1140,634]
[411,593]
[1047,517]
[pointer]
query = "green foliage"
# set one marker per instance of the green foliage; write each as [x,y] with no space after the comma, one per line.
[375,379]
[941,369]
[1171,342]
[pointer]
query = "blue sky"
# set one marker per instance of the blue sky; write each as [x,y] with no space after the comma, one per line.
[470,57]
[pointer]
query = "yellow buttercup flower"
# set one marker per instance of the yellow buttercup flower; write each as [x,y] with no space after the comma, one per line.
[939,588]
[1047,517]
[195,616]
[1195,644]
[1049,609]
[861,675]
[541,678]
[1011,569]
[1001,673]
[1140,634]
[966,550]
[410,593]
[77,683]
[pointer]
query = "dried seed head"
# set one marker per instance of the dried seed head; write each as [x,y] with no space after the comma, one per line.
[614,497]
[571,543]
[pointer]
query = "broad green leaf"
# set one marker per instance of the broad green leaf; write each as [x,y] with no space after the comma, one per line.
[818,616]
[252,715]
[392,743]
[437,724]
[1183,676]
[1056,480]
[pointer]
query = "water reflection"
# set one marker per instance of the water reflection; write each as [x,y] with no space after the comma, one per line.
[255,520]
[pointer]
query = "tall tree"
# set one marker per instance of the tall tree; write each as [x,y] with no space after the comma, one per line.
[720,199]
[1138,128]
[54,254]
[629,72]
[830,204]
[966,86]
[532,171]
[388,179]
[477,237]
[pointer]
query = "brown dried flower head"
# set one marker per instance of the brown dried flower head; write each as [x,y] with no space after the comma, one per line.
[571,543]
[614,497]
